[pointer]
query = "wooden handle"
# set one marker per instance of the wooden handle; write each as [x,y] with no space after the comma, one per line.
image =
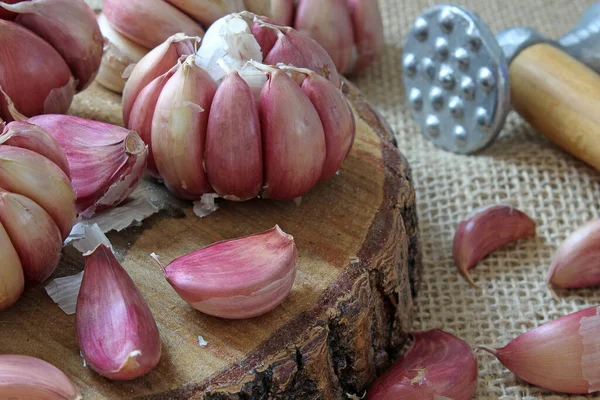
[560,97]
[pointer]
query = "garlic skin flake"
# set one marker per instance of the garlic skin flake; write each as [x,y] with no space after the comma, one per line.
[436,366]
[562,355]
[576,264]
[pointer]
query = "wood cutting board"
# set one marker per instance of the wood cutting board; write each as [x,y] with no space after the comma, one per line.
[344,321]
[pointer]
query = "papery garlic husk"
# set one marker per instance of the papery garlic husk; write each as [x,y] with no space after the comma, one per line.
[294,153]
[576,264]
[31,175]
[437,365]
[329,23]
[116,331]
[179,130]
[70,27]
[12,280]
[562,355]
[149,22]
[33,233]
[106,161]
[368,32]
[32,137]
[44,86]
[238,278]
[486,230]
[232,176]
[24,377]
[119,54]
[208,11]
[156,63]
[278,11]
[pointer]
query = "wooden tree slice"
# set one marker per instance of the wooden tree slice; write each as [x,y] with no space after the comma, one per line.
[347,315]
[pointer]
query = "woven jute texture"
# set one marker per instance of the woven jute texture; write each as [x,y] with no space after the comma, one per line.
[521,168]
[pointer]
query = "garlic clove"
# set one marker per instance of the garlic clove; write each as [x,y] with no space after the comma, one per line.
[437,365]
[156,63]
[12,280]
[294,154]
[485,230]
[119,53]
[44,86]
[179,130]
[107,162]
[208,11]
[238,278]
[283,51]
[24,377]
[142,113]
[265,36]
[116,331]
[337,119]
[368,32]
[28,136]
[234,177]
[33,234]
[561,355]
[149,22]
[70,27]
[576,264]
[329,23]
[31,175]
[278,11]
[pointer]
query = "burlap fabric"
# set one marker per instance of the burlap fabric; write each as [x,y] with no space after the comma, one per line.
[521,168]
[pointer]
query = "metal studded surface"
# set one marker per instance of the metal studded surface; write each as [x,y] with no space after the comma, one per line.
[455,79]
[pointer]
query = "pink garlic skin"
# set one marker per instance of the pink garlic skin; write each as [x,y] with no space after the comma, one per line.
[179,130]
[337,119]
[233,176]
[116,331]
[437,364]
[289,173]
[576,264]
[207,11]
[238,278]
[38,80]
[329,23]
[149,22]
[12,281]
[28,136]
[561,355]
[265,36]
[70,27]
[278,11]
[155,64]
[368,32]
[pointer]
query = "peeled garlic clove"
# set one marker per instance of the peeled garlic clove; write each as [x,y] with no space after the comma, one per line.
[208,11]
[12,281]
[28,136]
[156,63]
[116,331]
[337,119]
[37,79]
[561,355]
[486,230]
[437,365]
[107,162]
[70,27]
[232,176]
[368,31]
[119,53]
[576,264]
[329,23]
[33,234]
[279,11]
[29,174]
[149,22]
[238,278]
[294,154]
[24,377]
[179,130]
[142,113]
